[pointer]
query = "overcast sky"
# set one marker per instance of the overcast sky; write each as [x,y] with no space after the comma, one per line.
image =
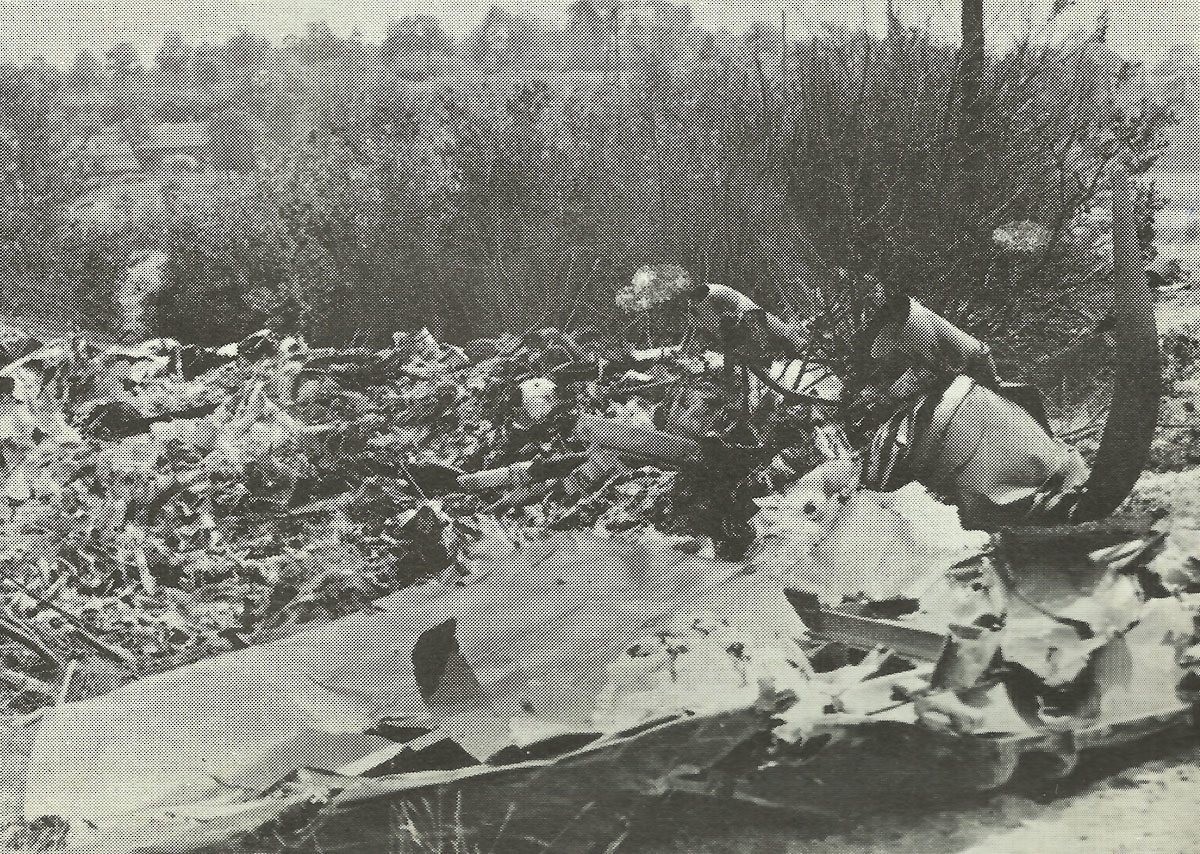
[58,29]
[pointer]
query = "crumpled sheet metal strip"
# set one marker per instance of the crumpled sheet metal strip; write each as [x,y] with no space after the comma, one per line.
[824,776]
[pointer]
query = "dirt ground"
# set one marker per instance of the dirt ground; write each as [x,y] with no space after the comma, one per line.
[1142,800]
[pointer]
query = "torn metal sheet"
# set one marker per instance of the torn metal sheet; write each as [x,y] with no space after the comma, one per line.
[575,670]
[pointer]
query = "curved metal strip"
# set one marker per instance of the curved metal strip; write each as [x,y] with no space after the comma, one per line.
[1132,419]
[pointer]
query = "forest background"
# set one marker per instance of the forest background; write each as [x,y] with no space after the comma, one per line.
[518,176]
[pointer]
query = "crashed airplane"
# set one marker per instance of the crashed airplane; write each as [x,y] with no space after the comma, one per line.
[573,669]
[865,646]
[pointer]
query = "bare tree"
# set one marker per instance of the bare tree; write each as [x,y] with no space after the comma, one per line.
[973,60]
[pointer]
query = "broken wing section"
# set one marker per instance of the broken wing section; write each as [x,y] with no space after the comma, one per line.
[533,639]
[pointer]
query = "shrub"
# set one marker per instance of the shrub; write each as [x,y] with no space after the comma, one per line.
[746,161]
[229,273]
[502,194]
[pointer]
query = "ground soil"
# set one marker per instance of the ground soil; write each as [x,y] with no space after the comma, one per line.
[1143,799]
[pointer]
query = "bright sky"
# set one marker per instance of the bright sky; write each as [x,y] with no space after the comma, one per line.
[57,29]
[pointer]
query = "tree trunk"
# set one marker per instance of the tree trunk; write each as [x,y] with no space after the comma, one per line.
[973,57]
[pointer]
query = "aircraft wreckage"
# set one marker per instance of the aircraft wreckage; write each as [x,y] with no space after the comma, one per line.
[866,646]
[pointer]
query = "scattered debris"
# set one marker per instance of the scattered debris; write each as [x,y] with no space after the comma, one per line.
[164,503]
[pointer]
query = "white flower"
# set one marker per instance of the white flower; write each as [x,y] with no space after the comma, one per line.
[652,286]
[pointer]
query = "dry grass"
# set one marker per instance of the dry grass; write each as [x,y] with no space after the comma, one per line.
[437,826]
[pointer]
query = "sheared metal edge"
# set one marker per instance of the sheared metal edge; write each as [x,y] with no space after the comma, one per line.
[193,827]
[176,832]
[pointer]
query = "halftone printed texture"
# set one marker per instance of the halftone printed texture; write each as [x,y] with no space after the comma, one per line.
[520,176]
[536,640]
[515,181]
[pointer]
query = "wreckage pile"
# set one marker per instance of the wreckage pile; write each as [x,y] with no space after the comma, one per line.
[164,502]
